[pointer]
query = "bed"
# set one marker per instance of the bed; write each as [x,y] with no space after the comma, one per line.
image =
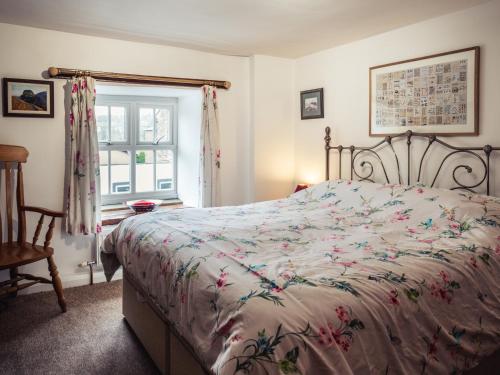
[346,277]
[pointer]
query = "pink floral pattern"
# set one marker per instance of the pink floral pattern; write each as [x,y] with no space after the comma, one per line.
[341,334]
[210,155]
[343,277]
[443,288]
[83,197]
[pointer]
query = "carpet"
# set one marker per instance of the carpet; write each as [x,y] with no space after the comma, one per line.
[91,338]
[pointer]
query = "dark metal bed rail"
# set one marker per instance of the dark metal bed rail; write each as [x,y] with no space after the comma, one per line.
[481,153]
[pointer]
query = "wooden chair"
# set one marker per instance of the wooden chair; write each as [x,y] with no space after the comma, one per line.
[18,253]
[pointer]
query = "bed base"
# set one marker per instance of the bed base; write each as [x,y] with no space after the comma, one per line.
[171,354]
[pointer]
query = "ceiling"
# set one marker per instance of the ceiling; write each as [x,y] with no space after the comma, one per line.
[287,28]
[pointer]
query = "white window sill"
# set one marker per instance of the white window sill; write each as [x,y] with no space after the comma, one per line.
[121,206]
[114,213]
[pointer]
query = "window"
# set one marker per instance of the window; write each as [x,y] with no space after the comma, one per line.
[137,147]
[164,184]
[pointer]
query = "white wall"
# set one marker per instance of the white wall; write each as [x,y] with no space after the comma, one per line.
[343,72]
[188,165]
[27,52]
[272,99]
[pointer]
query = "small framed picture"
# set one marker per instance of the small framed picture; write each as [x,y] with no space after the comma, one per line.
[311,104]
[28,98]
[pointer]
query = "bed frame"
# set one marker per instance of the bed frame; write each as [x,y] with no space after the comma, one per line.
[174,356]
[168,350]
[364,160]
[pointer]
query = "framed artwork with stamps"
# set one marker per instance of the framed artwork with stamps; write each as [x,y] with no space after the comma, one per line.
[437,94]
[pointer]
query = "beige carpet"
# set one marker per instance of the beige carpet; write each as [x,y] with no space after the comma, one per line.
[91,338]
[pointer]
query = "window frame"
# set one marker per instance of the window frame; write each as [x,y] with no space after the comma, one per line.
[132,145]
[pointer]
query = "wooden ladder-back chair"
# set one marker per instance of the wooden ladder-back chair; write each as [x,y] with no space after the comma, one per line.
[14,254]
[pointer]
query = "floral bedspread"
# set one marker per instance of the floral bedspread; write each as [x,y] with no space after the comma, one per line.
[342,278]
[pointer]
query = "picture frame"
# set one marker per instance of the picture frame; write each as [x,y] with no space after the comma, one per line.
[435,94]
[311,104]
[27,98]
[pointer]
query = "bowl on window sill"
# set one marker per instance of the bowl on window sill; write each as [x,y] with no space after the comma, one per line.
[143,205]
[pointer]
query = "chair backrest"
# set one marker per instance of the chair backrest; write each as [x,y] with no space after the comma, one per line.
[12,158]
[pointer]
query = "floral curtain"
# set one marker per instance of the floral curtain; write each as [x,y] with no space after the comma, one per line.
[83,203]
[210,150]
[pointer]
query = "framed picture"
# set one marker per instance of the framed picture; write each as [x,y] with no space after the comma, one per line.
[311,104]
[28,98]
[437,94]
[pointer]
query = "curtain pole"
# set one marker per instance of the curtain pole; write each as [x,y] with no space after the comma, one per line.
[55,72]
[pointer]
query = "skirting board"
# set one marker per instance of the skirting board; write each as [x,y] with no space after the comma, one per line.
[73,280]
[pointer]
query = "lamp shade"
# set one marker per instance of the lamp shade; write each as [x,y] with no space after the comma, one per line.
[300,187]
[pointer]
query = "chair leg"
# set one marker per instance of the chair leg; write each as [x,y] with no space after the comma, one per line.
[56,282]
[13,275]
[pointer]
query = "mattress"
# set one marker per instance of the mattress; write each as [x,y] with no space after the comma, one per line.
[342,278]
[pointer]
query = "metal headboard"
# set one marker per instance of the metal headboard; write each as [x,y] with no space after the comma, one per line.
[357,153]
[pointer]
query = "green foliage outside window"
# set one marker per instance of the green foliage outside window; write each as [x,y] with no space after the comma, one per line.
[140,158]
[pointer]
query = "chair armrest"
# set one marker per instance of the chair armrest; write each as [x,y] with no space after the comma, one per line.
[43,211]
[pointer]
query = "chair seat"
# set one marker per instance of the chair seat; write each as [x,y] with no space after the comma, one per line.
[15,254]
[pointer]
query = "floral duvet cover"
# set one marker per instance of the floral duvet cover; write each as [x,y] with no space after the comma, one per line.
[342,278]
